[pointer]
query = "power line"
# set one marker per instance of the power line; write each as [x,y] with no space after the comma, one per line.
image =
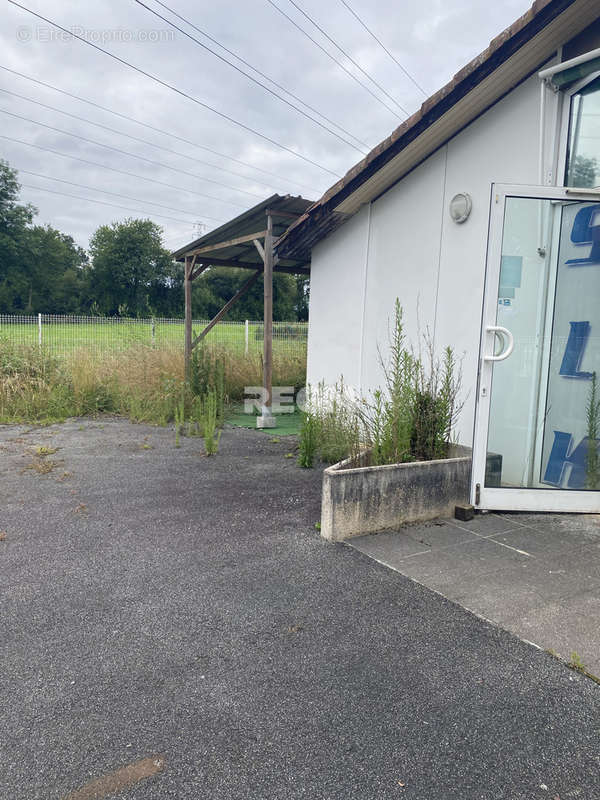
[165,133]
[131,155]
[134,138]
[113,194]
[348,56]
[103,203]
[250,77]
[116,149]
[381,44]
[176,90]
[105,166]
[262,74]
[329,55]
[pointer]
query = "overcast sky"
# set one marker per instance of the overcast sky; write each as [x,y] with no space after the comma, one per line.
[432,39]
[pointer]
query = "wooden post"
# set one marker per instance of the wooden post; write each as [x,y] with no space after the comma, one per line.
[266,420]
[187,287]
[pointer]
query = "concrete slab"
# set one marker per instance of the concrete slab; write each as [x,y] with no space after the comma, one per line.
[536,575]
[572,625]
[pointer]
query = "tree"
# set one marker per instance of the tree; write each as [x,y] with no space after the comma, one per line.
[217,285]
[302,297]
[15,220]
[582,172]
[130,269]
[40,267]
[54,271]
[130,273]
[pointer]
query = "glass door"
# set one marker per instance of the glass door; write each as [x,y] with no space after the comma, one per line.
[537,425]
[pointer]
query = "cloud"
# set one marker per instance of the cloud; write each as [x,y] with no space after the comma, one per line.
[431,39]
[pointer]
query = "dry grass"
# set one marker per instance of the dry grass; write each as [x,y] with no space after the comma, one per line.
[42,465]
[144,384]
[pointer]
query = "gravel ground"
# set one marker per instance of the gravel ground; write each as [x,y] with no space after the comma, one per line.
[158,603]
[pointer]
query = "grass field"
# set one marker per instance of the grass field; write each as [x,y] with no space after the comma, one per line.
[129,367]
[63,335]
[145,384]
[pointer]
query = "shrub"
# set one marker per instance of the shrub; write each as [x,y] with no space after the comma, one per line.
[411,418]
[331,426]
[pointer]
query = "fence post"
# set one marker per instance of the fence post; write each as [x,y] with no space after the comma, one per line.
[39,330]
[153,332]
[246,336]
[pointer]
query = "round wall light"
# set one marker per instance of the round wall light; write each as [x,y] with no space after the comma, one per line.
[460,207]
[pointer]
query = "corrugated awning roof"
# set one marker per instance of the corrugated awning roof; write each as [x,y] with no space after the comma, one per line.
[222,246]
[513,55]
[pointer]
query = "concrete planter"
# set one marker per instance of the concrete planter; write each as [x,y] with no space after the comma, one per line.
[362,499]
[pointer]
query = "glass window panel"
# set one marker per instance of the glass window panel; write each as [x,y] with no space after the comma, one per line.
[583,159]
[544,424]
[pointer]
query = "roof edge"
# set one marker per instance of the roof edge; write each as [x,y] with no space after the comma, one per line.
[500,49]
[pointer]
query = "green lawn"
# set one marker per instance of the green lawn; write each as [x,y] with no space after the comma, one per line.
[287,424]
[110,334]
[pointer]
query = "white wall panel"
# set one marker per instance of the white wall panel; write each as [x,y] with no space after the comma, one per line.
[403,261]
[336,303]
[418,254]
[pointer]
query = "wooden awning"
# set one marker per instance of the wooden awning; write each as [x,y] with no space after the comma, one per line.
[232,244]
[246,242]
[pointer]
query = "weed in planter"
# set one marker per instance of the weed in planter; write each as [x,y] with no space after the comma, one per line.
[435,408]
[392,412]
[410,419]
[331,427]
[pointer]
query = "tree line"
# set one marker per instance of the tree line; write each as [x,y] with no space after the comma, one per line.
[125,272]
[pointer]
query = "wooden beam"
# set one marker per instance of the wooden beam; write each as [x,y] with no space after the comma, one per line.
[209,248]
[303,270]
[226,307]
[199,270]
[260,248]
[231,262]
[268,318]
[271,212]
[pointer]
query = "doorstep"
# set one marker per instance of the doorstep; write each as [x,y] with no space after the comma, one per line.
[536,575]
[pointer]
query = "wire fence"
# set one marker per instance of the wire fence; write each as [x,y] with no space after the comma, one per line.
[64,335]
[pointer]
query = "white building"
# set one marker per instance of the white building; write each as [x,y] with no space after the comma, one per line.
[502,140]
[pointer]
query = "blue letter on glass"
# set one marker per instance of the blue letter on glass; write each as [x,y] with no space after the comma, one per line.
[585,231]
[560,457]
[578,336]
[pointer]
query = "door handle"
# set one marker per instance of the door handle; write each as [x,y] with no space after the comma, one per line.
[508,339]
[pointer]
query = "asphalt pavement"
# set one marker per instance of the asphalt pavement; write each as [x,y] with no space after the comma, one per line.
[173,626]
